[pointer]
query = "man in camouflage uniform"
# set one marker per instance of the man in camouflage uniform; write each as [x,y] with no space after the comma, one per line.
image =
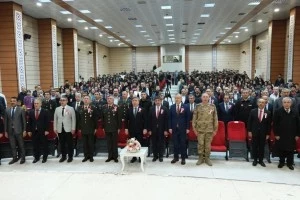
[205,125]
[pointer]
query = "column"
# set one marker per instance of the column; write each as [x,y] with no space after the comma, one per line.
[187,61]
[70,50]
[159,57]
[12,63]
[95,59]
[48,53]
[252,55]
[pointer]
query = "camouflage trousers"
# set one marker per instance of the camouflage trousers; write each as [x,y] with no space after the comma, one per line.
[204,143]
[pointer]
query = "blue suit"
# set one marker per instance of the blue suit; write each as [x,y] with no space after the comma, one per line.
[179,123]
[226,116]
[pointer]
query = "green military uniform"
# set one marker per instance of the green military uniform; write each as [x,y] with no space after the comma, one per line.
[50,106]
[123,107]
[111,121]
[87,123]
[205,122]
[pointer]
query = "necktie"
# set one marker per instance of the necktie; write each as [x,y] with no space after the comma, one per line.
[63,111]
[13,113]
[177,109]
[226,107]
[36,114]
[260,115]
[77,105]
[157,111]
[135,111]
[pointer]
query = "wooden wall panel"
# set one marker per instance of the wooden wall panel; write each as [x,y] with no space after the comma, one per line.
[296,61]
[68,54]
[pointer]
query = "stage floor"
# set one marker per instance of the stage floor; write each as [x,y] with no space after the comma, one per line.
[233,179]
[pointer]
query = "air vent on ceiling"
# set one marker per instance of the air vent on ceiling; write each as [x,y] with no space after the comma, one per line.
[153,25]
[184,31]
[185,24]
[253,21]
[132,18]
[125,9]
[141,2]
[201,23]
[233,22]
[182,38]
[242,13]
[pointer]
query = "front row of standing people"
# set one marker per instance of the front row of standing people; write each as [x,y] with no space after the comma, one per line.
[159,122]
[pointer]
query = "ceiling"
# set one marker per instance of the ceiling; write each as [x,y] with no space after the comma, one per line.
[125,15]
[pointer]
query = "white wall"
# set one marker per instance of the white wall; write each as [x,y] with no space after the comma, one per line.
[200,58]
[31,49]
[60,61]
[228,57]
[261,56]
[103,62]
[245,59]
[120,60]
[146,58]
[172,50]
[85,60]
[286,50]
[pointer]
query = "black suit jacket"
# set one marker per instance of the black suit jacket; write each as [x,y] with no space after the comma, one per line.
[226,116]
[87,119]
[257,127]
[136,124]
[41,124]
[160,124]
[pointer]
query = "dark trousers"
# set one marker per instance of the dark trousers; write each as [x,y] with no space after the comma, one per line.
[65,138]
[40,140]
[14,140]
[179,141]
[258,147]
[157,144]
[88,145]
[112,144]
[289,155]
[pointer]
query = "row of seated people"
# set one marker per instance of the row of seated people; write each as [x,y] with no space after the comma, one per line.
[232,140]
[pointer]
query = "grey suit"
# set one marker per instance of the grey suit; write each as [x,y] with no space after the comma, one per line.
[15,127]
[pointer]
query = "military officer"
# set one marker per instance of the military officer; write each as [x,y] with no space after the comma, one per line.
[111,118]
[205,125]
[87,118]
[49,105]
[124,104]
[99,102]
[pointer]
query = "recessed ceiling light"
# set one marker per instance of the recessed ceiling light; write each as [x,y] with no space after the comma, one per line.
[204,15]
[259,21]
[255,3]
[149,39]
[243,27]
[122,36]
[199,29]
[170,30]
[168,17]
[229,41]
[172,41]
[166,7]
[39,4]
[228,28]
[209,5]
[246,30]
[85,11]
[222,33]
[86,28]
[169,24]
[110,37]
[100,35]
[171,38]
[111,40]
[128,40]
[138,26]
[69,19]
[98,20]
[64,12]
[81,21]
[236,32]
[196,33]
[236,36]
[143,31]
[93,27]
[171,35]
[45,1]
[146,35]
[108,27]
[276,10]
[116,40]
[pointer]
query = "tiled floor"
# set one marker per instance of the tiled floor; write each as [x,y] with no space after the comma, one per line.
[234,179]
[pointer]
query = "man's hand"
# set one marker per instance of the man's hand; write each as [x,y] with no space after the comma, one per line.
[296,138]
[1,135]
[126,131]
[215,133]
[277,137]
[118,131]
[150,132]
[30,134]
[103,131]
[24,133]
[73,132]
[95,131]
[187,131]
[250,134]
[170,131]
[6,134]
[166,133]
[145,131]
[267,137]
[46,132]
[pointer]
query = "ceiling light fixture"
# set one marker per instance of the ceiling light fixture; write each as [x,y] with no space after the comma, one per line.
[69,19]
[138,26]
[246,30]
[166,7]
[64,12]
[259,21]
[228,28]
[81,21]
[86,28]
[108,27]
[93,27]
[255,3]
[170,30]
[168,17]
[171,35]
[39,4]
[204,15]
[169,24]
[209,5]
[236,36]
[143,31]
[85,11]
[276,10]
[98,20]
[100,35]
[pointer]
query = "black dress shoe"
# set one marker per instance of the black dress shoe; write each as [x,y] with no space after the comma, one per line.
[291,167]
[13,161]
[262,164]
[35,160]
[70,160]
[91,159]
[160,159]
[280,165]
[183,162]
[254,163]
[108,160]
[116,160]
[174,160]
[58,155]
[22,161]
[85,159]
[62,159]
[133,160]
[44,160]
[154,159]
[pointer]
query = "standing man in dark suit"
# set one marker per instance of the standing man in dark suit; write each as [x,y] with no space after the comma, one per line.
[49,105]
[15,129]
[226,110]
[179,124]
[38,120]
[191,105]
[136,123]
[158,128]
[164,102]
[286,127]
[259,128]
[269,106]
[123,105]
[2,111]
[87,125]
[111,118]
